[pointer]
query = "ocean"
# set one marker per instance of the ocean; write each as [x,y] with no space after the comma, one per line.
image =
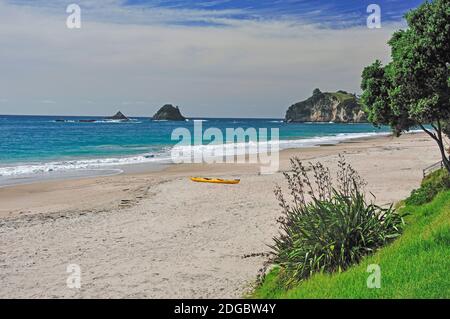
[46,146]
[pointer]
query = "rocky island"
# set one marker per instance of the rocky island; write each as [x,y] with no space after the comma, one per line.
[118,116]
[169,113]
[337,107]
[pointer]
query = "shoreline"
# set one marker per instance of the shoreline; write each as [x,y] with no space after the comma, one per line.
[159,235]
[62,177]
[167,172]
[157,165]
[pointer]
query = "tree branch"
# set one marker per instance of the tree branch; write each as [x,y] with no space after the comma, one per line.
[439,130]
[433,136]
[434,127]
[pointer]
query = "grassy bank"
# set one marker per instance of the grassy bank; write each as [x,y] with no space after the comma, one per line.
[414,266]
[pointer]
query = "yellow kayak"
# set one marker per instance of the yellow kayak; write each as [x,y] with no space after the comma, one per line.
[215,180]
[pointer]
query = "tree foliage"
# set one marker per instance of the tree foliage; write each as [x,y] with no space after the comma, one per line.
[413,89]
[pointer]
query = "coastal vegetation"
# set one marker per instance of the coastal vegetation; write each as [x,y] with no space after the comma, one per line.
[431,185]
[328,247]
[327,228]
[414,89]
[414,266]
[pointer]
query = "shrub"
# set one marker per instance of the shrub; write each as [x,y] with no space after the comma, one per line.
[332,230]
[420,196]
[431,185]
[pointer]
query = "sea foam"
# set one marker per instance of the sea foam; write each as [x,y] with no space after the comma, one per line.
[210,150]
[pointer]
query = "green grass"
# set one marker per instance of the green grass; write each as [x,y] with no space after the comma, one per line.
[431,185]
[416,265]
[342,96]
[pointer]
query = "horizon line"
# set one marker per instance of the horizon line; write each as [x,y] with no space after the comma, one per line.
[149,117]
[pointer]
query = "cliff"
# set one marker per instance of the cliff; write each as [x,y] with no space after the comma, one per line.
[338,107]
[170,113]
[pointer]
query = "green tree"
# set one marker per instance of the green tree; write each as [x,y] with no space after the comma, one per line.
[413,89]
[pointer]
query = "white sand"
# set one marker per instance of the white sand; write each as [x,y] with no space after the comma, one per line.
[170,238]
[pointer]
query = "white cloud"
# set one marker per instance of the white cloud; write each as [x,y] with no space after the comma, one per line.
[254,68]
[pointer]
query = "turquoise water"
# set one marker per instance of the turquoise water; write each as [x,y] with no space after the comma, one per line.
[39,144]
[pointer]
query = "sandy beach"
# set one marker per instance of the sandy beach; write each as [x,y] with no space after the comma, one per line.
[159,235]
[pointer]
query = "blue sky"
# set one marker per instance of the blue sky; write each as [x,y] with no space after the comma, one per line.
[216,58]
[331,13]
[346,12]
